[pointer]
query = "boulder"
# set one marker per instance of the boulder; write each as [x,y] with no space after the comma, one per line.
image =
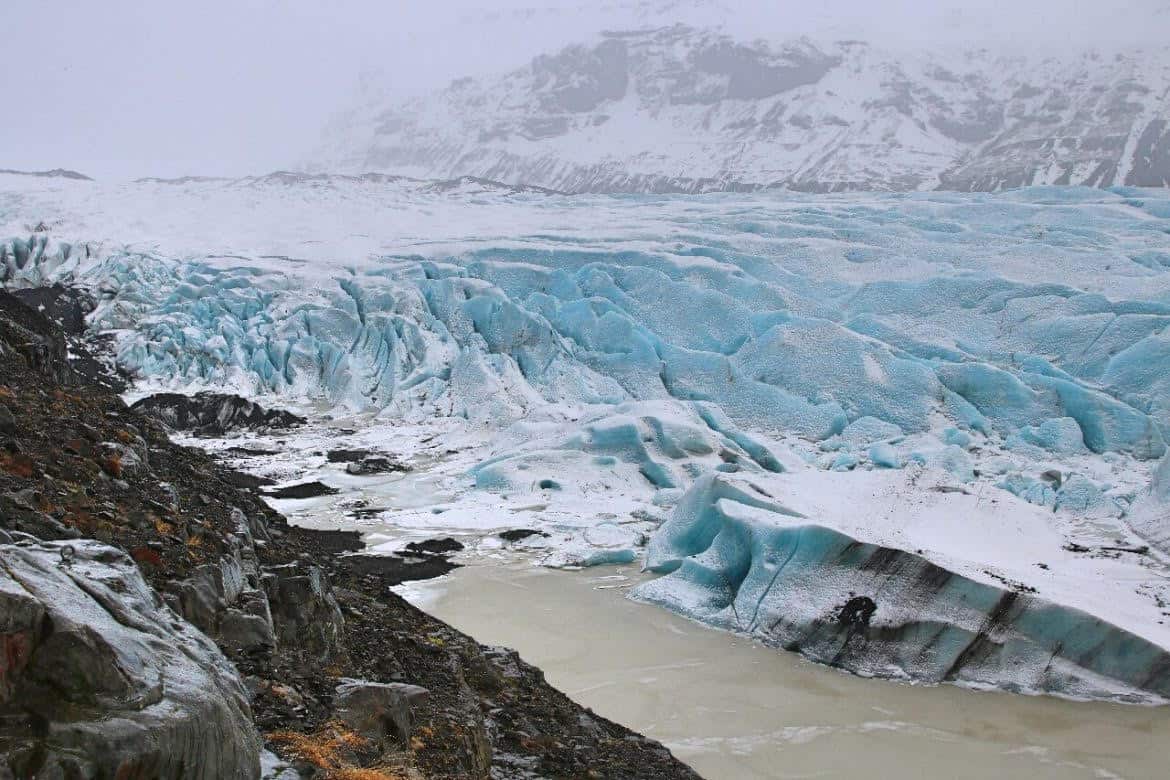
[374,464]
[99,679]
[378,712]
[305,614]
[213,414]
[225,599]
[303,490]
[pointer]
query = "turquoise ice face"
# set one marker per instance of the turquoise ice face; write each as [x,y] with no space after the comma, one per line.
[764,320]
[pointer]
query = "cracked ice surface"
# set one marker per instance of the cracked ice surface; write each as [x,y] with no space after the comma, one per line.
[593,362]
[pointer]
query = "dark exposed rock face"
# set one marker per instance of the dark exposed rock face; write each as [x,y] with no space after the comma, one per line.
[347,455]
[379,712]
[519,534]
[65,308]
[305,615]
[28,334]
[444,546]
[397,569]
[213,414]
[226,599]
[374,464]
[56,173]
[100,679]
[363,462]
[302,490]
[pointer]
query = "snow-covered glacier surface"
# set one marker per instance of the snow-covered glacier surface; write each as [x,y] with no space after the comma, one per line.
[909,435]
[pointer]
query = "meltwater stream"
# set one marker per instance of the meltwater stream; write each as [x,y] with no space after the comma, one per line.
[733,708]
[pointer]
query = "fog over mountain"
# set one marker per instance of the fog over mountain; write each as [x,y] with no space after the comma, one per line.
[683,109]
[127,89]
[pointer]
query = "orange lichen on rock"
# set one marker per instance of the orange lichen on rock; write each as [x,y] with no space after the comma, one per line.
[331,748]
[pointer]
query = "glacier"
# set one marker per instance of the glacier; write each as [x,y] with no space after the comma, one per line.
[743,562]
[674,379]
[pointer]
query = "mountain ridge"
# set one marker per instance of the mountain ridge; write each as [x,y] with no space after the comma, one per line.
[681,110]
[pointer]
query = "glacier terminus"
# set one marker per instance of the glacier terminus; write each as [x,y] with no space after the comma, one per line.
[919,436]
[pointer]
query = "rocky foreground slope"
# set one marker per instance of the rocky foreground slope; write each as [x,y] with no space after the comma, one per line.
[681,109]
[157,619]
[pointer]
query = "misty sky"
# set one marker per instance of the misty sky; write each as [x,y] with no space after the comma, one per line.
[120,88]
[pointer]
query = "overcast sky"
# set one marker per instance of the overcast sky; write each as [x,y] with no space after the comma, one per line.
[126,88]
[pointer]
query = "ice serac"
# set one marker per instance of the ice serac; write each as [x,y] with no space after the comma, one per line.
[687,110]
[494,334]
[34,260]
[101,679]
[738,560]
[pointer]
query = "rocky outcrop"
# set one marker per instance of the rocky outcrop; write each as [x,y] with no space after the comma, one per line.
[56,173]
[213,414]
[101,676]
[27,334]
[302,490]
[378,712]
[374,464]
[305,615]
[226,599]
[100,679]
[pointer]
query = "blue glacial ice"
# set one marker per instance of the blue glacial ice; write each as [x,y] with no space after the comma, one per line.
[494,334]
[1150,516]
[990,339]
[733,558]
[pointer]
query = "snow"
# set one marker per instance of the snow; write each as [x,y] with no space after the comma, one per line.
[683,109]
[985,388]
[779,558]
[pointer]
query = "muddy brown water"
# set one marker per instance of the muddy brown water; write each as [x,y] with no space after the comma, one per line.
[733,708]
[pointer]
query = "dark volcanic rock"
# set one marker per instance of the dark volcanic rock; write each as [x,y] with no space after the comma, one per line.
[213,414]
[241,479]
[444,546]
[67,308]
[305,614]
[101,680]
[360,462]
[395,569]
[332,542]
[378,712]
[347,456]
[29,334]
[303,490]
[519,534]
[374,464]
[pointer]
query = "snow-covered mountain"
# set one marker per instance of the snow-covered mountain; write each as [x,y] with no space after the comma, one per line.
[682,109]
